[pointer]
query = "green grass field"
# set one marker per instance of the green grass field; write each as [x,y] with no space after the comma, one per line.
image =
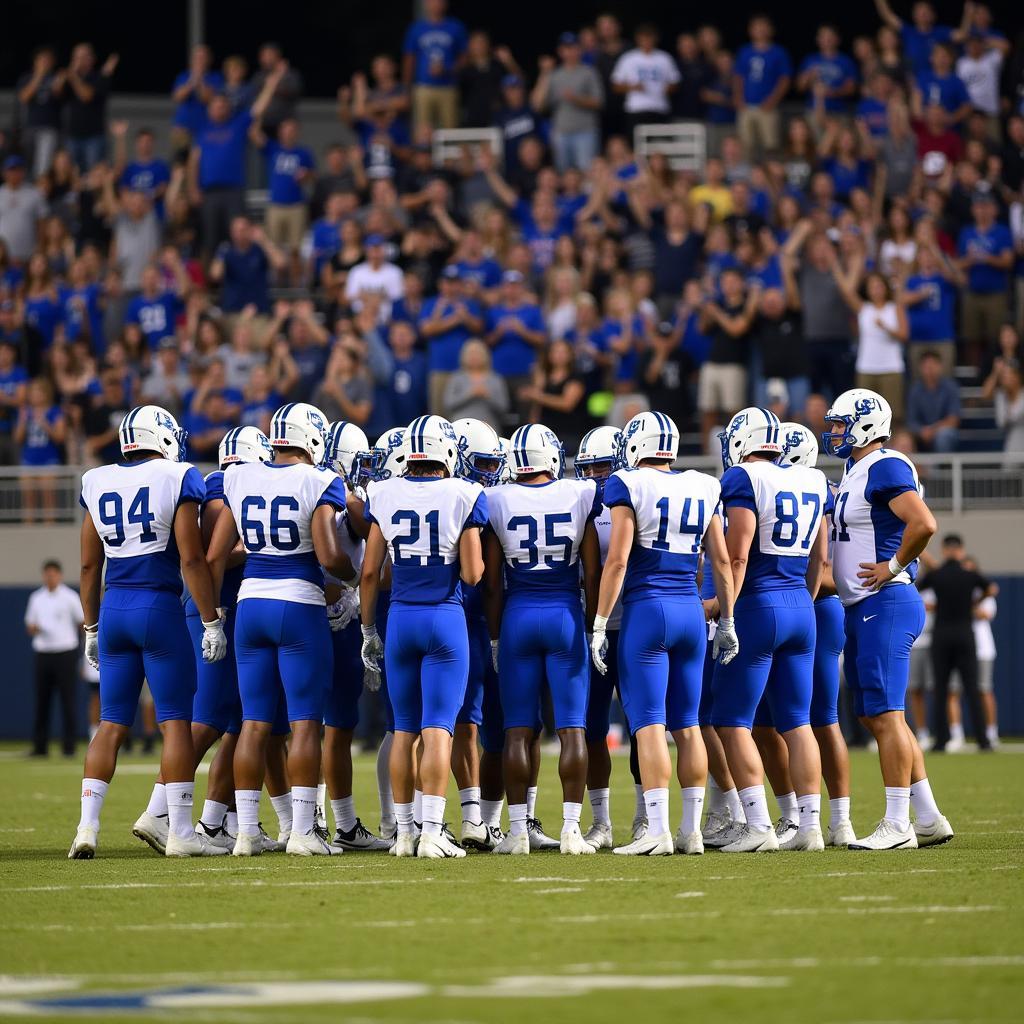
[932,935]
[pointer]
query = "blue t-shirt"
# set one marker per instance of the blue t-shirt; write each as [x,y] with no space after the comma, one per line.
[191,113]
[917,45]
[42,315]
[931,319]
[145,177]
[325,240]
[255,412]
[246,274]
[408,388]
[222,150]
[846,178]
[512,355]
[834,72]
[516,125]
[9,384]
[155,316]
[486,272]
[721,113]
[541,241]
[982,278]
[874,114]
[39,449]
[436,47]
[761,71]
[626,367]
[443,349]
[81,313]
[946,91]
[283,168]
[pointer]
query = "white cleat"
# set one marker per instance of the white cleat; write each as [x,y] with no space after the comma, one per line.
[599,836]
[313,844]
[360,839]
[887,836]
[438,847]
[808,840]
[692,844]
[714,823]
[513,845]
[638,830]
[955,745]
[405,844]
[270,845]
[648,846]
[539,840]
[152,830]
[216,836]
[84,846]
[248,846]
[785,830]
[938,832]
[729,833]
[841,835]
[193,845]
[477,836]
[753,840]
[572,843]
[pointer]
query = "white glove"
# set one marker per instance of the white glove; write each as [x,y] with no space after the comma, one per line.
[726,644]
[371,679]
[494,654]
[92,645]
[215,642]
[343,611]
[372,650]
[599,643]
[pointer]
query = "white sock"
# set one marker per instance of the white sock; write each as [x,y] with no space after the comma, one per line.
[600,804]
[517,815]
[179,808]
[926,810]
[716,802]
[303,808]
[640,810]
[321,804]
[693,807]
[571,814]
[788,806]
[897,806]
[838,810]
[417,805]
[231,823]
[992,733]
[387,801]
[531,801]
[247,807]
[213,814]
[404,819]
[656,803]
[433,814]
[283,809]
[490,812]
[344,811]
[157,805]
[735,805]
[93,792]
[809,810]
[956,731]
[470,800]
[755,807]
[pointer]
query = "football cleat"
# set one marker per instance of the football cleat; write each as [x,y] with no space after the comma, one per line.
[600,837]
[538,839]
[841,835]
[714,823]
[248,846]
[785,829]
[887,836]
[753,840]
[195,844]
[388,830]
[361,839]
[955,745]
[725,835]
[438,847]
[639,828]
[806,839]
[216,836]
[271,845]
[938,832]
[476,836]
[692,844]
[648,846]
[513,845]
[152,829]
[572,843]
[405,844]
[84,846]
[313,844]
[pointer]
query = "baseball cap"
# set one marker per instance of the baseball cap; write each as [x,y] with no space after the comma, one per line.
[13,161]
[512,277]
[568,39]
[983,195]
[511,82]
[375,240]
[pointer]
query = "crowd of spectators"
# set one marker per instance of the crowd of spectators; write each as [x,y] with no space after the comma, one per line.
[858,219]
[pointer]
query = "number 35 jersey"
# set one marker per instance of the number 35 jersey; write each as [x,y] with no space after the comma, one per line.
[788,502]
[133,505]
[273,506]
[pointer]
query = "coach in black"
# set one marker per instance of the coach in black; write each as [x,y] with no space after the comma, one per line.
[956,590]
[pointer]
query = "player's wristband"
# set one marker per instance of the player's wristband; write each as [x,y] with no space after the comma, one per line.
[724,623]
[369,631]
[213,624]
[94,628]
[895,568]
[600,623]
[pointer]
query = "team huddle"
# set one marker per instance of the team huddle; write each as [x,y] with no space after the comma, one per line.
[465,579]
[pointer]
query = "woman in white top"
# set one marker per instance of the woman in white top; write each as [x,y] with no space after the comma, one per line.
[897,252]
[882,332]
[1009,403]
[563,290]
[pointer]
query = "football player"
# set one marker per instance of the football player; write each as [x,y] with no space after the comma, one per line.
[142,519]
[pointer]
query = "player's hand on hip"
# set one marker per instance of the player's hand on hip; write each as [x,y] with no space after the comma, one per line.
[874,575]
[92,646]
[726,644]
[215,641]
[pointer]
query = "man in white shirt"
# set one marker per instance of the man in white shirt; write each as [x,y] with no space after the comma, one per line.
[646,76]
[375,278]
[979,69]
[53,619]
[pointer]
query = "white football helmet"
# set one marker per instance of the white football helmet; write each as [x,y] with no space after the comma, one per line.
[479,442]
[649,435]
[389,454]
[799,446]
[148,428]
[507,474]
[300,425]
[866,416]
[535,449]
[750,430]
[348,453]
[600,445]
[244,444]
[432,439]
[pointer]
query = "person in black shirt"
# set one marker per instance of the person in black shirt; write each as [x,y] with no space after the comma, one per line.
[687,104]
[104,416]
[955,589]
[558,395]
[40,93]
[86,94]
[665,369]
[481,79]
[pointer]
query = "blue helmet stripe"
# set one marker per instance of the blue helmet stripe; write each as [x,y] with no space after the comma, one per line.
[279,420]
[128,426]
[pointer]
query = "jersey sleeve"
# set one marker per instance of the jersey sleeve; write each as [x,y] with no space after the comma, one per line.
[214,488]
[737,490]
[616,492]
[193,487]
[888,479]
[333,495]
[477,518]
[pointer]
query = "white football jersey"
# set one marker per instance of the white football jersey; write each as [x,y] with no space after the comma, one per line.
[789,502]
[540,527]
[603,526]
[672,512]
[273,505]
[133,505]
[422,520]
[864,528]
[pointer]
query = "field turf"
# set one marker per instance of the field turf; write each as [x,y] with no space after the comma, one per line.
[932,935]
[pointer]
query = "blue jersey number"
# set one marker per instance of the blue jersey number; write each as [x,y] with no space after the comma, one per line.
[284,532]
[111,512]
[551,539]
[787,515]
[432,519]
[685,526]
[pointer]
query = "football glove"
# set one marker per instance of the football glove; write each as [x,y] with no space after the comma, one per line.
[343,611]
[494,654]
[92,645]
[372,649]
[599,643]
[215,642]
[726,644]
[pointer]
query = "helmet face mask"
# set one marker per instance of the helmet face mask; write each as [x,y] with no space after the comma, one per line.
[649,435]
[866,418]
[244,444]
[388,455]
[751,430]
[149,428]
[481,457]
[599,455]
[348,454]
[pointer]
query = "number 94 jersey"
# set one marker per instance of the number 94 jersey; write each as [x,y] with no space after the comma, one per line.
[788,502]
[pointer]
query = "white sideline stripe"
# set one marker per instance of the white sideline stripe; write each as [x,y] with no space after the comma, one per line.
[688,895]
[870,961]
[866,899]
[567,888]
